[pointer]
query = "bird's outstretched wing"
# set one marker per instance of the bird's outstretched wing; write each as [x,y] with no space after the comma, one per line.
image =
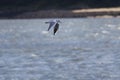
[52,24]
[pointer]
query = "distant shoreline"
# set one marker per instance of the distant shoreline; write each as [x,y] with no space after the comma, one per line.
[81,13]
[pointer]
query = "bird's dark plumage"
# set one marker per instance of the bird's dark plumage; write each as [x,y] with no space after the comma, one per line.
[56,28]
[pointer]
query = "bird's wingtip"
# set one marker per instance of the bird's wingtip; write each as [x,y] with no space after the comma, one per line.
[46,22]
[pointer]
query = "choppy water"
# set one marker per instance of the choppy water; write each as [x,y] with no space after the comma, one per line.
[83,49]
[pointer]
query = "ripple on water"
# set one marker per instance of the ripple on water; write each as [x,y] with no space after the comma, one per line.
[82,49]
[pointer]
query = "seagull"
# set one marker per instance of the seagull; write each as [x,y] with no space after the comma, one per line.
[55,24]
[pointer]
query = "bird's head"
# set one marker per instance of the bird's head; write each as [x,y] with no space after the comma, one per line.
[58,21]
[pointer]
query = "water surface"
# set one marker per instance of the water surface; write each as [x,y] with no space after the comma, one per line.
[82,49]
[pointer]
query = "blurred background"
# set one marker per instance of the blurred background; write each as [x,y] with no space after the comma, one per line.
[56,4]
[83,48]
[12,8]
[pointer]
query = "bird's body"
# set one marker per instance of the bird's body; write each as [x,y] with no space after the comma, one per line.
[55,24]
[56,28]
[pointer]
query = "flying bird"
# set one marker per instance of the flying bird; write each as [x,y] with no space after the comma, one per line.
[55,24]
